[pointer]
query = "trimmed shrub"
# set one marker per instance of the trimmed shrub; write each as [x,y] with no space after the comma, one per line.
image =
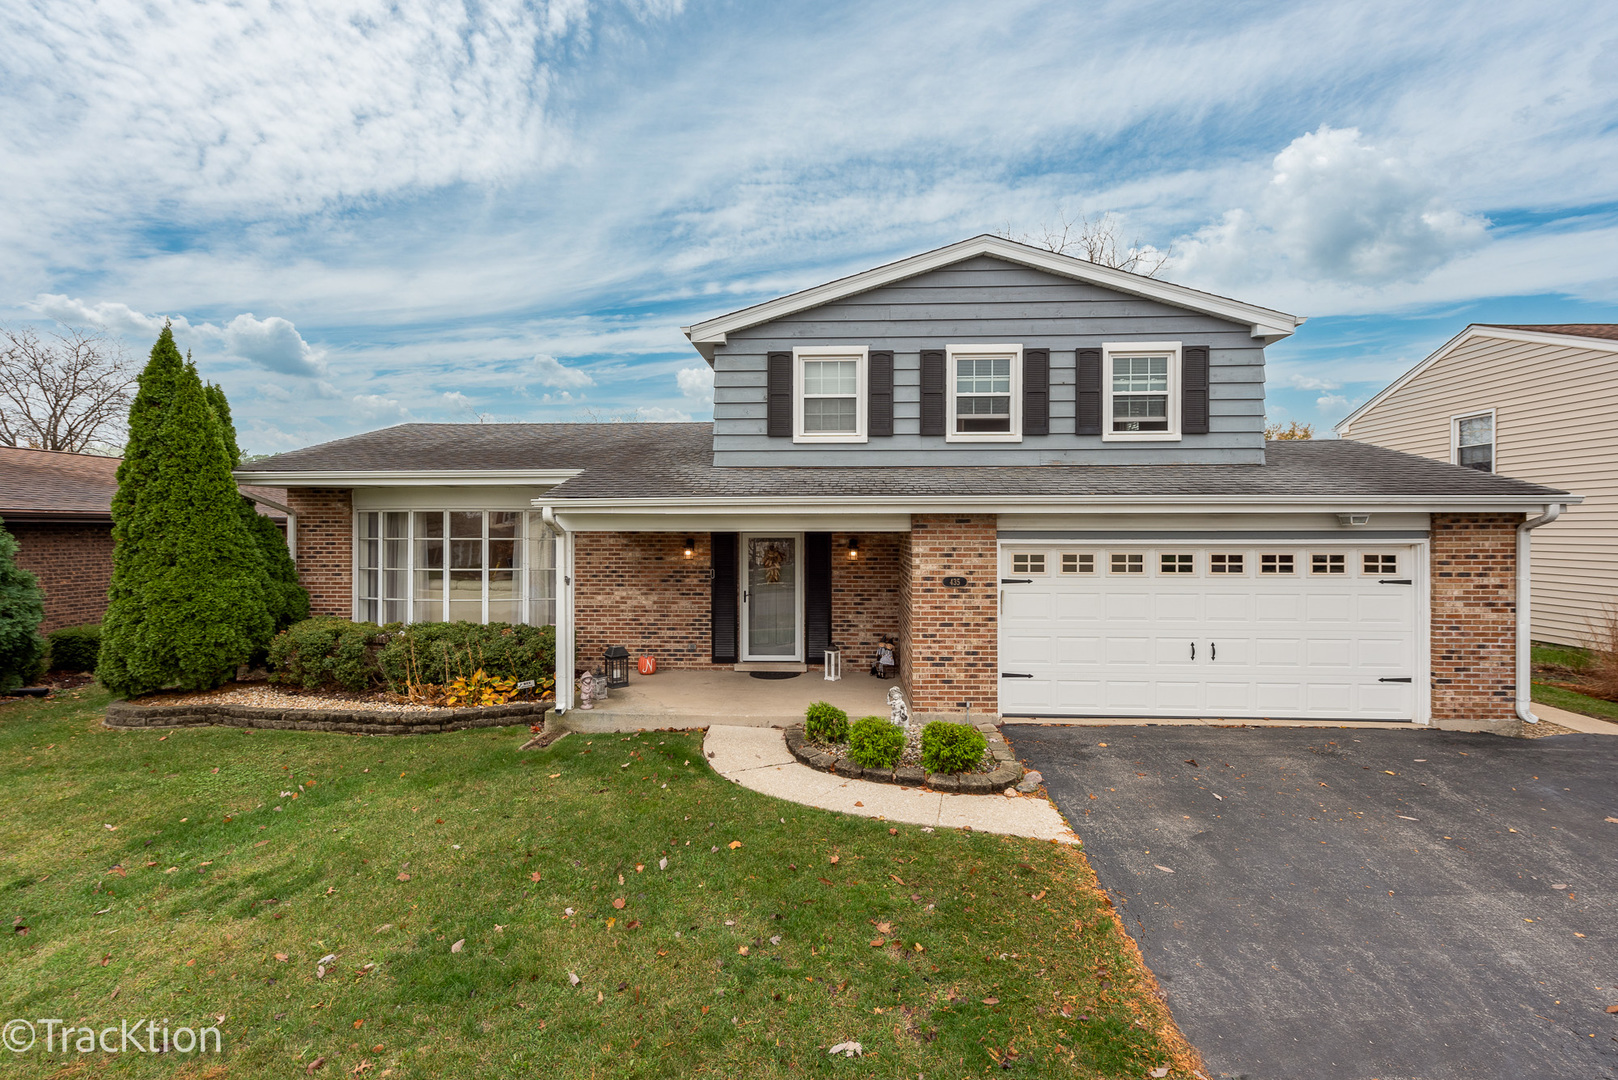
[327,652]
[187,600]
[75,648]
[948,747]
[22,609]
[875,742]
[440,652]
[825,723]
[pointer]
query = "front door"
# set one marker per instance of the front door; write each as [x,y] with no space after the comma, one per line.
[772,582]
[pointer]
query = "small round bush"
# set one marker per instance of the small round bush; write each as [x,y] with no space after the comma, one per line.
[325,652]
[875,742]
[948,747]
[825,723]
[75,648]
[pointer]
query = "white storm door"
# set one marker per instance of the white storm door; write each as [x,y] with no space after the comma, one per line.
[772,591]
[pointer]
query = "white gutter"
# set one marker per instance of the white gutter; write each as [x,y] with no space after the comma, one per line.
[292,521]
[406,477]
[564,611]
[1525,644]
[1012,504]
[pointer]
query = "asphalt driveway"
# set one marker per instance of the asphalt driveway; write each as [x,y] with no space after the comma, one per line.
[1354,903]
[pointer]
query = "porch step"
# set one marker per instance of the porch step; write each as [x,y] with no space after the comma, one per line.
[771,665]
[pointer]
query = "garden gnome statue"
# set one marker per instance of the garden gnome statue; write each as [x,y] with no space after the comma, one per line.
[587,691]
[897,710]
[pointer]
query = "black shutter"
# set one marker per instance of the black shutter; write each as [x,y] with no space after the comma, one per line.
[780,395]
[879,401]
[1036,392]
[932,391]
[1087,409]
[816,596]
[722,609]
[1194,390]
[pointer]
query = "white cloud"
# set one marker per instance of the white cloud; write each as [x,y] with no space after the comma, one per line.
[1333,403]
[273,344]
[113,317]
[696,383]
[657,414]
[457,400]
[549,371]
[378,407]
[1335,209]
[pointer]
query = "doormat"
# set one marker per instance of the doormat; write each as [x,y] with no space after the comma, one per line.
[775,674]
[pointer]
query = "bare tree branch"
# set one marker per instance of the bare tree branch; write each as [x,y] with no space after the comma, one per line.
[1095,240]
[70,391]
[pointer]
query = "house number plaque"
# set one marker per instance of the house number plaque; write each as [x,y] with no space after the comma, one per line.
[955,582]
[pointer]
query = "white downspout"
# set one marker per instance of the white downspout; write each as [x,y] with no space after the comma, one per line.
[292,521]
[1525,644]
[564,611]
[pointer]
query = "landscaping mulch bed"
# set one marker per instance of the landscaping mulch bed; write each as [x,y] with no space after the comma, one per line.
[259,706]
[999,769]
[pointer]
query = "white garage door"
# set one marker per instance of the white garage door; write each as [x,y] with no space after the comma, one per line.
[1242,631]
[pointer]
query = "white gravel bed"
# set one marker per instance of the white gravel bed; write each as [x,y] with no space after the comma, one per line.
[266,697]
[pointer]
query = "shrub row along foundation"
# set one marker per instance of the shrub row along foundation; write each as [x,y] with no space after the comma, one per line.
[122,714]
[1006,770]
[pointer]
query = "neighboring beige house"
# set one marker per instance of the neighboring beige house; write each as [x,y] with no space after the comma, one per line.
[1537,403]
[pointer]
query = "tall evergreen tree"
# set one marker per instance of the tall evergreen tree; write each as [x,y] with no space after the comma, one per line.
[187,599]
[287,600]
[22,609]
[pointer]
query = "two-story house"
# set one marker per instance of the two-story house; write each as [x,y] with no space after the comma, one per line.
[1046,479]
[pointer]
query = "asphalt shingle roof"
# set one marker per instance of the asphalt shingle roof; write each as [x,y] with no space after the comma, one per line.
[637,461]
[42,484]
[1595,330]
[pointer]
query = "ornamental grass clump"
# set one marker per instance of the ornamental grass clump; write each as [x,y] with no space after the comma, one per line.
[875,742]
[951,748]
[825,723]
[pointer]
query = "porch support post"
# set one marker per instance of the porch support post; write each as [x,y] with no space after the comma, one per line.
[564,611]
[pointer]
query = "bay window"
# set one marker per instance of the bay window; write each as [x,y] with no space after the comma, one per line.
[455,566]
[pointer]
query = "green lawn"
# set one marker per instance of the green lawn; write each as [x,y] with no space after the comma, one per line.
[1573,701]
[155,878]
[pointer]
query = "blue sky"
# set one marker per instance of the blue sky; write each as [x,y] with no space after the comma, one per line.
[360,212]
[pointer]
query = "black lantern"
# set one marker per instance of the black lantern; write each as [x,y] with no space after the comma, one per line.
[617,665]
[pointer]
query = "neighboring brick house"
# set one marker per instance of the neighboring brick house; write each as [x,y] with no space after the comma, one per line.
[59,507]
[1046,479]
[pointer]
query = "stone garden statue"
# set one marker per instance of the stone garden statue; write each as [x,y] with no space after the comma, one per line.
[898,712]
[587,687]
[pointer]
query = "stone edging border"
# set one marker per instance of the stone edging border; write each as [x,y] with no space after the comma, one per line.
[124,715]
[1006,772]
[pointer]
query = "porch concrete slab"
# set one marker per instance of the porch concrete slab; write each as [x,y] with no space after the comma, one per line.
[732,749]
[748,748]
[692,699]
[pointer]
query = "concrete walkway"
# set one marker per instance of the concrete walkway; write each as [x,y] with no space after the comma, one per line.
[1589,725]
[757,758]
[691,698]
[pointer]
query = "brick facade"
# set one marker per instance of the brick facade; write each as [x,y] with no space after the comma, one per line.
[949,637]
[1474,612]
[73,563]
[864,595]
[639,590]
[325,548]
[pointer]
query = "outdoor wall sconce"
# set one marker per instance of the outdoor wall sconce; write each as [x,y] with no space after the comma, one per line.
[617,666]
[853,547]
[690,547]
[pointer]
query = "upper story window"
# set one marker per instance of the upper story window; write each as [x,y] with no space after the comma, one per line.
[830,402]
[1473,438]
[984,393]
[1140,383]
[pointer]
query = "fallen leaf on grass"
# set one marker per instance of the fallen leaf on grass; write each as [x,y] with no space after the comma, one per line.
[573,979]
[119,870]
[991,1001]
[281,957]
[734,844]
[1040,895]
[825,881]
[105,960]
[309,1070]
[1158,1074]
[741,950]
[877,943]
[662,864]
[835,859]
[403,877]
[359,1023]
[458,945]
[618,902]
[535,876]
[639,867]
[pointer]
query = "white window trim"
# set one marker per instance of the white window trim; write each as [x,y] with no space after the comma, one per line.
[953,351]
[1108,348]
[1494,437]
[861,353]
[525,596]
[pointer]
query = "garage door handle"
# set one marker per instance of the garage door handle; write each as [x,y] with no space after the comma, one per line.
[1014,675]
[1394,680]
[1394,581]
[1016,581]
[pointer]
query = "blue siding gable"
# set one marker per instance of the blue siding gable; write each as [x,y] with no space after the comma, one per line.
[989,300]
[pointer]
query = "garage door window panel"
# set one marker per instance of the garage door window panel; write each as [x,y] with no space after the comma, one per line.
[1078,562]
[1174,563]
[1128,563]
[1276,564]
[1328,564]
[1378,564]
[1028,563]
[1225,564]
